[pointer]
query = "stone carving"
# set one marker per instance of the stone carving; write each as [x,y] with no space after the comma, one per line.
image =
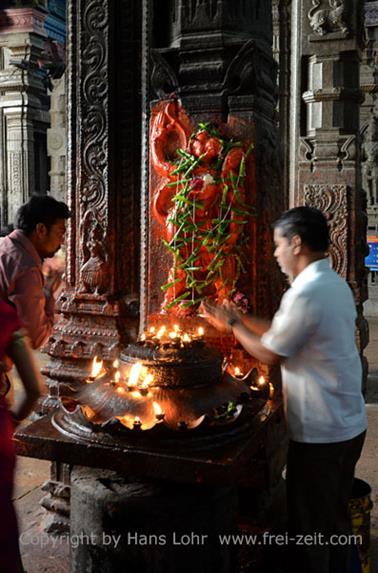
[94,271]
[370,162]
[327,20]
[200,10]
[94,143]
[243,75]
[332,200]
[163,79]
[201,190]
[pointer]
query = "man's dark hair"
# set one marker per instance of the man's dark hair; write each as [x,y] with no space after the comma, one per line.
[40,209]
[307,222]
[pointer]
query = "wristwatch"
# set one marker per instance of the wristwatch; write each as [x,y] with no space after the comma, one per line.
[232,321]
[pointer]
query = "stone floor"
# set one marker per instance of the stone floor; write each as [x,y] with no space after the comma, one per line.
[44,554]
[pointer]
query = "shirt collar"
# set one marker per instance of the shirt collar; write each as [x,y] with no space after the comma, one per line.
[310,271]
[20,237]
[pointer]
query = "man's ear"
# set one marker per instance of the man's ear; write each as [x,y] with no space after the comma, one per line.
[41,230]
[296,243]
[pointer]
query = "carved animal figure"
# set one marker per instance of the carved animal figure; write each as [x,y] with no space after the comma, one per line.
[326,20]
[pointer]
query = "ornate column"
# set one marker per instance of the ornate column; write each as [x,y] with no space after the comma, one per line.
[56,139]
[369,135]
[325,160]
[99,307]
[217,57]
[23,109]
[281,53]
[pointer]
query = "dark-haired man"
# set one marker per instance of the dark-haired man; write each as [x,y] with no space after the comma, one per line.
[39,233]
[312,336]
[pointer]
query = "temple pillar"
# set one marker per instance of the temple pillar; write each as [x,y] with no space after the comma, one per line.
[23,109]
[99,306]
[281,53]
[369,139]
[325,154]
[56,139]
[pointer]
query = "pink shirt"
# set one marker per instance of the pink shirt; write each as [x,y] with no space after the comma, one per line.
[22,284]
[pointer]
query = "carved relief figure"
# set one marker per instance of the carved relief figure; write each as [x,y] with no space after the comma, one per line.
[93,273]
[201,203]
[370,164]
[326,20]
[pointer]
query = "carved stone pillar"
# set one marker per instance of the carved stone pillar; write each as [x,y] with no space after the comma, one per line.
[99,306]
[325,161]
[369,134]
[56,139]
[281,52]
[217,57]
[23,110]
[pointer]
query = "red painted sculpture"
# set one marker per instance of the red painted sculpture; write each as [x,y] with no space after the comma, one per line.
[201,203]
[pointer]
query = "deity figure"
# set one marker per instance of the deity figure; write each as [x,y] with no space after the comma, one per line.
[200,203]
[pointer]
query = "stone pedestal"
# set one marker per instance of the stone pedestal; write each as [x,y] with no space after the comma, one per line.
[118,525]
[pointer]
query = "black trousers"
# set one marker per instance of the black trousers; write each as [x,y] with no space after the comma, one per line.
[319,482]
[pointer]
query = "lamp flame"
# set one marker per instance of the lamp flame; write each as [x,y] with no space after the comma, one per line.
[176,327]
[117,376]
[158,411]
[261,381]
[116,363]
[186,338]
[237,371]
[161,331]
[135,371]
[96,367]
[201,331]
[152,330]
[148,379]
[173,334]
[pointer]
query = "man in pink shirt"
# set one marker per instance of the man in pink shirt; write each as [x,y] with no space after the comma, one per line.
[39,233]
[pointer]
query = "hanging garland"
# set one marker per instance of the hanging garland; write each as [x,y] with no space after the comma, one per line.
[221,239]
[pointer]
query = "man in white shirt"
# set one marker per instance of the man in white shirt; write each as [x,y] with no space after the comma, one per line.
[312,336]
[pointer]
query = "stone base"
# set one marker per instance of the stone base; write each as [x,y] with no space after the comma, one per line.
[121,525]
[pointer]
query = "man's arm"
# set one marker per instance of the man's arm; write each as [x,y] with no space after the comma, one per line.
[34,307]
[257,325]
[252,344]
[226,318]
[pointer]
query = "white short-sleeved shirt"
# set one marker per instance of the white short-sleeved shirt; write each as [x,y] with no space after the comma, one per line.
[314,329]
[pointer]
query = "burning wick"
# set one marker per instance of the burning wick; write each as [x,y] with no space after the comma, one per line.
[160,333]
[201,331]
[117,377]
[152,330]
[261,381]
[173,334]
[116,363]
[271,391]
[96,368]
[238,372]
[186,338]
[137,423]
[159,414]
[135,371]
